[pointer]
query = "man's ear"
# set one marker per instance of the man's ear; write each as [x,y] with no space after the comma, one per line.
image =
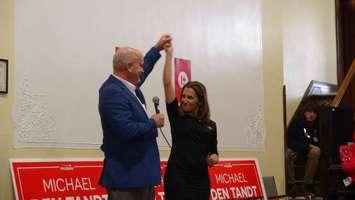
[129,67]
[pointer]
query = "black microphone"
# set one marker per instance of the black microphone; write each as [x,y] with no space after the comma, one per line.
[157,111]
[156,104]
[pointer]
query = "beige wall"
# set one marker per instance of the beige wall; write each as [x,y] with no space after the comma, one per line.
[271,161]
[6,51]
[309,51]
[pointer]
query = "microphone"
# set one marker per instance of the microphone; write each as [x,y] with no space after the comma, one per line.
[157,111]
[156,104]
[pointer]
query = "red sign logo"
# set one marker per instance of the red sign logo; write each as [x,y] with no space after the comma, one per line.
[182,75]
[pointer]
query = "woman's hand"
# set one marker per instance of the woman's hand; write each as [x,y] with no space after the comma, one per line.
[212,159]
[168,48]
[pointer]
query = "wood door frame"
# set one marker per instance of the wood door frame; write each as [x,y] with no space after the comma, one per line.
[345,28]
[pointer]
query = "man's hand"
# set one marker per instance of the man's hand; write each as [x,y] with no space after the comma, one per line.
[162,41]
[158,119]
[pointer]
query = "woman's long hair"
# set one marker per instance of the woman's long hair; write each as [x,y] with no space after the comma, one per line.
[203,109]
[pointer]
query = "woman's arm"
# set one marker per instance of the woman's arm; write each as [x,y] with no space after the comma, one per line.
[213,156]
[167,74]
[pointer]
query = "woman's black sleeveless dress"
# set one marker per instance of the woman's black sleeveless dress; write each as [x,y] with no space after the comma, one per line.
[186,176]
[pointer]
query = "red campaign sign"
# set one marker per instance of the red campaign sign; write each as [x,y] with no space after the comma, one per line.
[57,180]
[78,180]
[230,179]
[159,190]
[236,179]
[182,74]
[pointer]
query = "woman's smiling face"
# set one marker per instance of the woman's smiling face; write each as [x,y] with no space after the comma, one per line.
[189,100]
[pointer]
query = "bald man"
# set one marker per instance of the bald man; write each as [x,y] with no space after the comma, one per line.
[132,164]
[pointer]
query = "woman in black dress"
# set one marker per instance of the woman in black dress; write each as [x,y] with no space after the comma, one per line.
[194,139]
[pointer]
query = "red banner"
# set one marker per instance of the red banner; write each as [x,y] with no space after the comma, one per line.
[78,180]
[57,180]
[230,179]
[236,179]
[182,75]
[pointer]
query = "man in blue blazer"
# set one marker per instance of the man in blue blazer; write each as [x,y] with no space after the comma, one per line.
[132,163]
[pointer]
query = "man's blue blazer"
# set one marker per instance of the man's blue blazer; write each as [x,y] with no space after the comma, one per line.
[129,135]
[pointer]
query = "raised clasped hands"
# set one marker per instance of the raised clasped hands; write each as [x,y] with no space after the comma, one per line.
[164,39]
